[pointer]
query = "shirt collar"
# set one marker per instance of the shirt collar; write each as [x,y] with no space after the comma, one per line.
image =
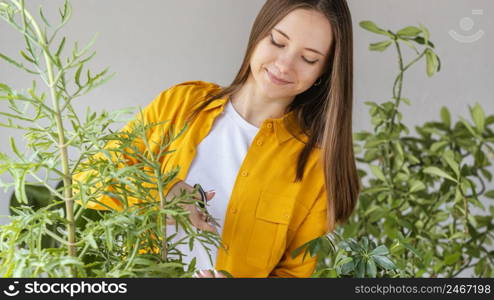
[282,132]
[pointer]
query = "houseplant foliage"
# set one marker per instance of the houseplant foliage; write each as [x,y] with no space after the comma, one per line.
[414,216]
[420,191]
[52,233]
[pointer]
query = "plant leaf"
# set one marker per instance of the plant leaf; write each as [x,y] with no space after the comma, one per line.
[432,62]
[490,194]
[452,258]
[371,268]
[378,173]
[380,46]
[384,262]
[372,27]
[417,186]
[409,31]
[446,116]
[478,117]
[449,157]
[381,250]
[438,172]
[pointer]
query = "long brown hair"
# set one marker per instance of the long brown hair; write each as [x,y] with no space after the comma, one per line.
[324,111]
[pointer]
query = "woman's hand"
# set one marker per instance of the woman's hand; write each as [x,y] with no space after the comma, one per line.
[208,274]
[196,217]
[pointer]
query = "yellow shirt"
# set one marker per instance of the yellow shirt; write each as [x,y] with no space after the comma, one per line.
[268,214]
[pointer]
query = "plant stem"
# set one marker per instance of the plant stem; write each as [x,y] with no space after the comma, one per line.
[67,179]
[159,181]
[164,248]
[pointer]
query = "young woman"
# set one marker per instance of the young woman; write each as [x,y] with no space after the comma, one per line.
[275,145]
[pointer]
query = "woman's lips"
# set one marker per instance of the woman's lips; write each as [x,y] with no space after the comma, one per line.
[276,80]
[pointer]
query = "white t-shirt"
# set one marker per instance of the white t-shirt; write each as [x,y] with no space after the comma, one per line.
[218,159]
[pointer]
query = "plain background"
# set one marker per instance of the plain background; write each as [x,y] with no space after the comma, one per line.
[152,45]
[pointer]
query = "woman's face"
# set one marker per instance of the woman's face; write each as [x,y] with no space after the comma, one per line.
[292,57]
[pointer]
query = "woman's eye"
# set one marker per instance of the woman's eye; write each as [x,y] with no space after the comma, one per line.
[311,62]
[276,44]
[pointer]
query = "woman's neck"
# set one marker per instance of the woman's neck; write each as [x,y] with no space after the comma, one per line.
[255,107]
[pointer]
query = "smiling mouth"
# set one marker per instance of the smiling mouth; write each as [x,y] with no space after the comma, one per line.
[276,80]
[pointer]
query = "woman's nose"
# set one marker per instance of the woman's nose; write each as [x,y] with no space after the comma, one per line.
[285,63]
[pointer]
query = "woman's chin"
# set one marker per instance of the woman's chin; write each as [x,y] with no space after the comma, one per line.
[273,91]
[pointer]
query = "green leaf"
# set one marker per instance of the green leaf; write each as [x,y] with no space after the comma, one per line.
[384,262]
[361,136]
[78,75]
[378,172]
[15,149]
[410,44]
[381,46]
[458,235]
[490,194]
[43,16]
[409,31]
[489,120]
[412,249]
[344,261]
[360,268]
[446,116]
[420,40]
[92,241]
[449,157]
[478,117]
[468,127]
[381,250]
[432,62]
[372,143]
[417,186]
[348,267]
[399,149]
[371,268]
[486,174]
[427,34]
[406,101]
[452,258]
[372,27]
[26,57]
[438,172]
[60,47]
[20,188]
[6,88]
[11,61]
[472,220]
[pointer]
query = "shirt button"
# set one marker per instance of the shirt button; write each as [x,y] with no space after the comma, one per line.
[226,246]
[259,143]
[270,125]
[234,210]
[245,173]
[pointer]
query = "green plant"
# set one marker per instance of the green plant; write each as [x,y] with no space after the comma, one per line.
[52,233]
[417,200]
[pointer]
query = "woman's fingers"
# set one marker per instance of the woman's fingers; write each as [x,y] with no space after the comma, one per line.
[197,218]
[202,225]
[208,274]
[210,195]
[218,274]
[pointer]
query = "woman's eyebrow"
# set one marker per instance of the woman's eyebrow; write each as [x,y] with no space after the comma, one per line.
[288,38]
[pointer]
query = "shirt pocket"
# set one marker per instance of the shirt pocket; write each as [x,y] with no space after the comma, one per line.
[267,242]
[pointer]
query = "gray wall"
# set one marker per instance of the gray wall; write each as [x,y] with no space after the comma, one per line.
[152,45]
